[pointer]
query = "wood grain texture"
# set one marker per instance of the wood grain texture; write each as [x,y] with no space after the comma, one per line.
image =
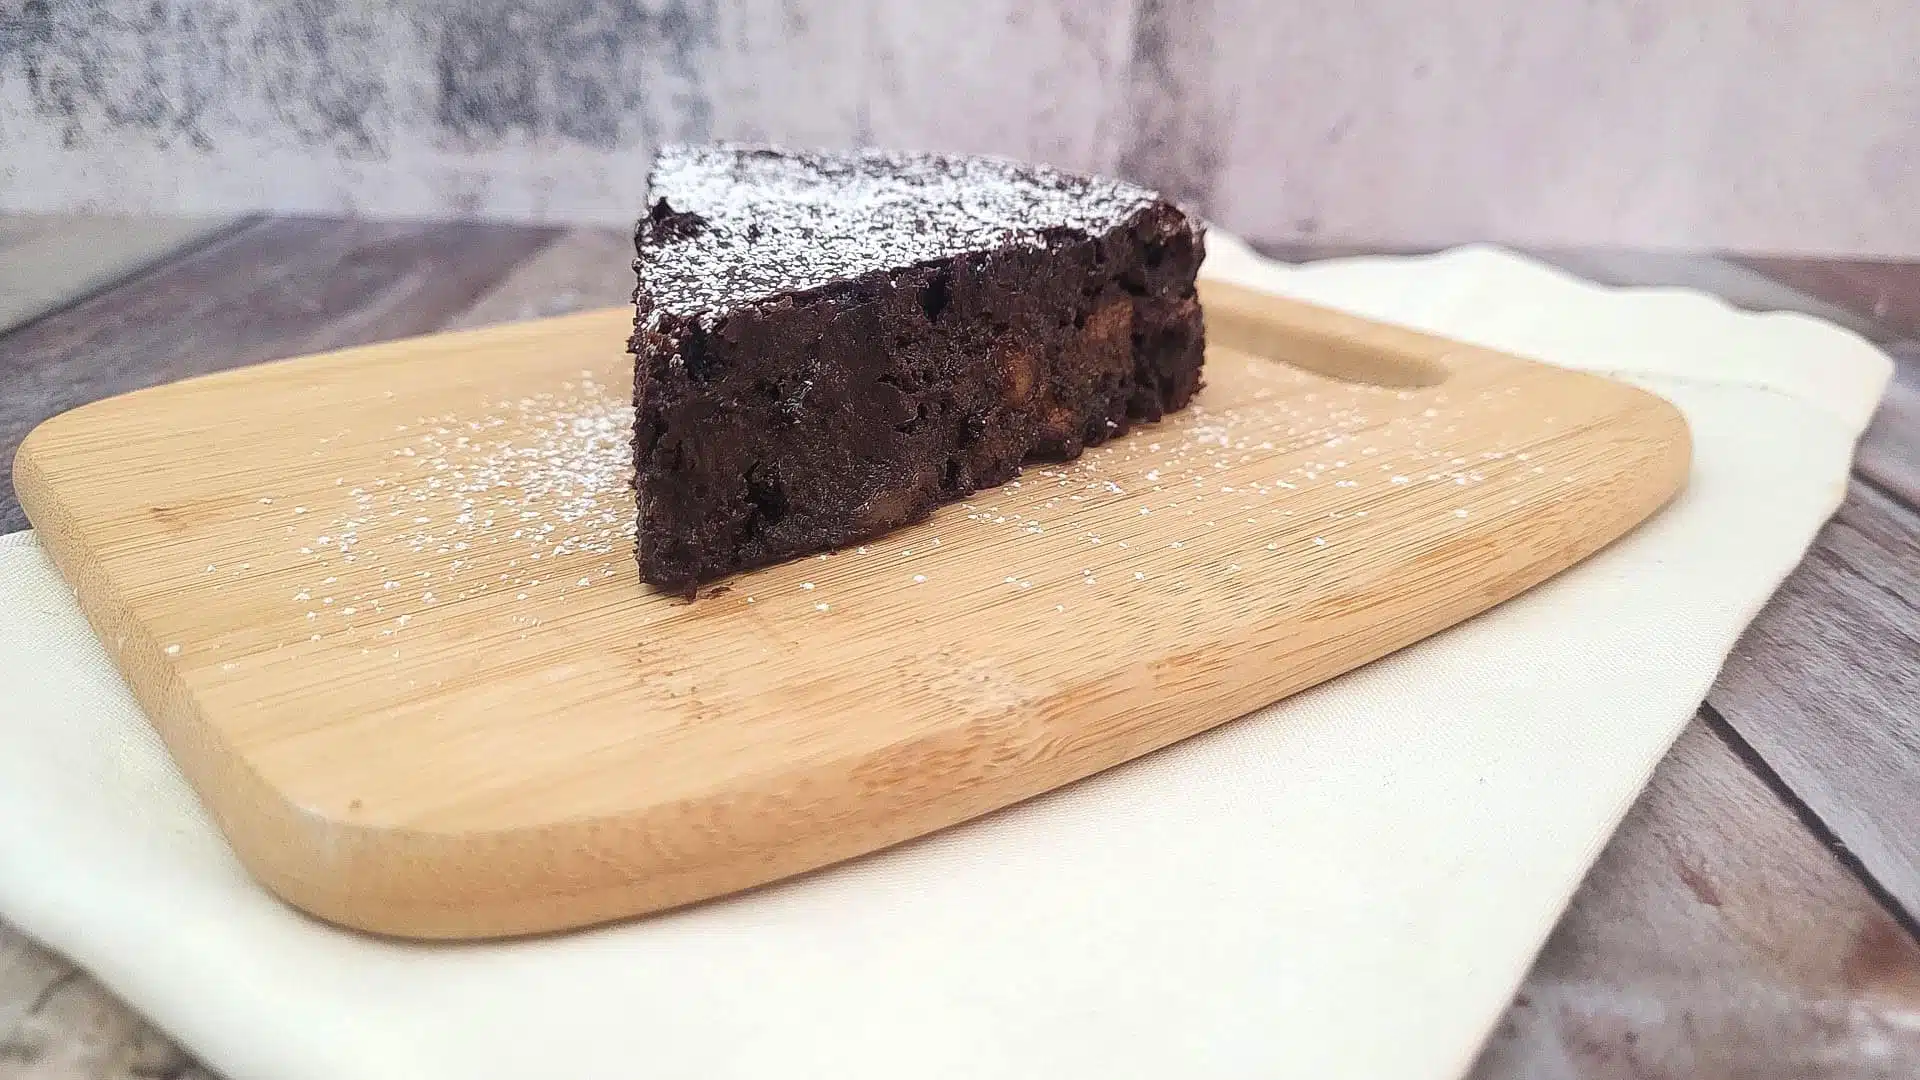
[47,261]
[1824,685]
[345,577]
[271,290]
[581,270]
[1889,453]
[1715,939]
[1884,291]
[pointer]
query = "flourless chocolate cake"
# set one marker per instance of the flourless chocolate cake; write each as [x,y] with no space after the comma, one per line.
[829,346]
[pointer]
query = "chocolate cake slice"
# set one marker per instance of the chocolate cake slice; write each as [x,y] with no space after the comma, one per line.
[828,346]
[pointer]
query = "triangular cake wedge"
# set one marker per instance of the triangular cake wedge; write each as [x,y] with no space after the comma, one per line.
[828,346]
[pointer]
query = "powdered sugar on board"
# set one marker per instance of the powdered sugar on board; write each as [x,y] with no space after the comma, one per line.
[516,496]
[527,499]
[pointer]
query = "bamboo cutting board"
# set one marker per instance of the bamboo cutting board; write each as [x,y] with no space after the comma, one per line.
[382,603]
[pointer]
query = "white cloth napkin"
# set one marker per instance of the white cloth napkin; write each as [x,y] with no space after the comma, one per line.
[1350,883]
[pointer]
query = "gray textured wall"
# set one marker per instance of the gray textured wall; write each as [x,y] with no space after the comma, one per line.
[1772,124]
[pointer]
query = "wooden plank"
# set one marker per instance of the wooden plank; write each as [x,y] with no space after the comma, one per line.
[270,290]
[581,270]
[47,261]
[1889,453]
[1885,291]
[435,546]
[1824,687]
[1715,938]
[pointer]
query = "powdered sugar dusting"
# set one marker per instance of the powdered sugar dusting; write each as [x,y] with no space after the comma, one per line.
[775,222]
[514,506]
[490,500]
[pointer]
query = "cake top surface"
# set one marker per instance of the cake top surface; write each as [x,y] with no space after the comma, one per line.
[773,222]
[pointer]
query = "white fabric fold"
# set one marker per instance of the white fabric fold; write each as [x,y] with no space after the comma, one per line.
[1350,883]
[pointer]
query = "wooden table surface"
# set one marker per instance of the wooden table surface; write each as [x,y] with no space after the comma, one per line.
[1757,915]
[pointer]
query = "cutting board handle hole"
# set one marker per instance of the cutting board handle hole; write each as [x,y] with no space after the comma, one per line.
[1328,343]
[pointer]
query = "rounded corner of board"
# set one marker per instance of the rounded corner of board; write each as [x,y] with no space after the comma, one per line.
[328,863]
[27,453]
[352,875]
[1675,432]
[30,479]
[45,441]
[394,881]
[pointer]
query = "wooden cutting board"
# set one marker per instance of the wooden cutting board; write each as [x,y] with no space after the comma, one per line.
[382,603]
